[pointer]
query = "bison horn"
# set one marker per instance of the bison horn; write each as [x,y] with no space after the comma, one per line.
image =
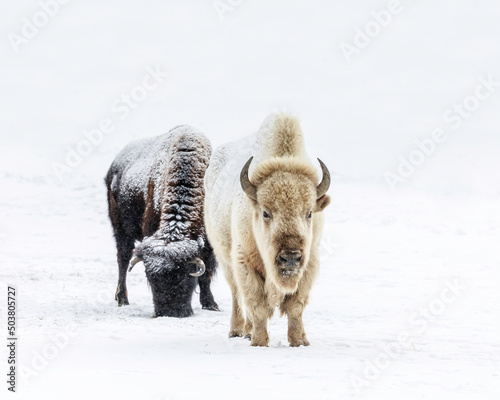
[201,267]
[248,187]
[325,182]
[134,261]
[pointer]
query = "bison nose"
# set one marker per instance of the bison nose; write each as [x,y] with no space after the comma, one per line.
[290,259]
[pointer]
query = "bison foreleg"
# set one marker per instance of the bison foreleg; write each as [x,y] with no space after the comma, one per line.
[294,304]
[256,303]
[293,307]
[206,297]
[248,329]
[259,316]
[237,318]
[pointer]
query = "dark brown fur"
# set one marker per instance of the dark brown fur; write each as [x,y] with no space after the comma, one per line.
[155,191]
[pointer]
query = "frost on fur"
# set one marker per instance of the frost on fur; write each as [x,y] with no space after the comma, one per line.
[155,199]
[263,208]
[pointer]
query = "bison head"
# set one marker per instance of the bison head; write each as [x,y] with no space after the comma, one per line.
[286,198]
[171,269]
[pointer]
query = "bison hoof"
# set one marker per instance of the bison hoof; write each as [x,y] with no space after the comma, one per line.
[121,296]
[260,342]
[211,307]
[299,342]
[235,333]
[176,313]
[121,299]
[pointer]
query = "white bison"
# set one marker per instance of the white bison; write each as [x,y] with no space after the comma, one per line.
[265,227]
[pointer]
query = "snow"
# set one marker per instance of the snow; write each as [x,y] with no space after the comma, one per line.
[142,161]
[176,159]
[229,158]
[412,271]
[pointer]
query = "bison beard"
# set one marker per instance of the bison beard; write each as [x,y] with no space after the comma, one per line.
[155,199]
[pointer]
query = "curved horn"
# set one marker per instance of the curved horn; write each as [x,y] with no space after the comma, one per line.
[323,186]
[134,261]
[201,267]
[248,187]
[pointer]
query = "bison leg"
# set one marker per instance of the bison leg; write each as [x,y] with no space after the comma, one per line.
[256,304]
[124,255]
[206,297]
[259,316]
[124,247]
[296,333]
[248,329]
[237,319]
[293,306]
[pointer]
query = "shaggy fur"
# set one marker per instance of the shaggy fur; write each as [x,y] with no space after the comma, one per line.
[155,195]
[252,239]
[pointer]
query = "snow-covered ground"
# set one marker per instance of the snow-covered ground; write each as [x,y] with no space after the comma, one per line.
[406,304]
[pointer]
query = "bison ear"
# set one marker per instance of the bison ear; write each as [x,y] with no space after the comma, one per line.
[322,202]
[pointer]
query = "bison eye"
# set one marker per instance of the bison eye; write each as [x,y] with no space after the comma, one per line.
[309,215]
[266,215]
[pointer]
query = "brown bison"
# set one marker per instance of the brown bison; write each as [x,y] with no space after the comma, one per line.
[155,195]
[266,226]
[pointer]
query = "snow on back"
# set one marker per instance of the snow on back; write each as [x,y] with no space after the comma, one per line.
[279,135]
[174,165]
